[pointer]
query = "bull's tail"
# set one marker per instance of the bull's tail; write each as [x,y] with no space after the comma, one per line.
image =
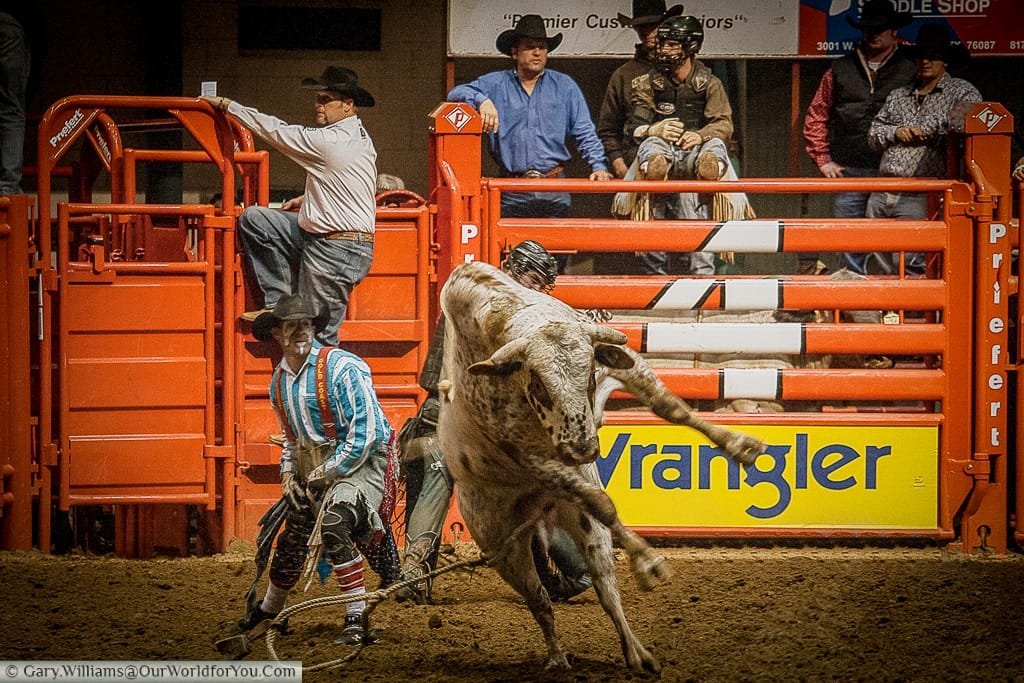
[641,381]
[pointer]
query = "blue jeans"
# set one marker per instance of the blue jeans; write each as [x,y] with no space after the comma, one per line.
[285,259]
[685,205]
[900,205]
[854,205]
[15,60]
[537,205]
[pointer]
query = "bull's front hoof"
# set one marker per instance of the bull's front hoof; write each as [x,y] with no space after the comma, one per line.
[642,661]
[650,569]
[746,449]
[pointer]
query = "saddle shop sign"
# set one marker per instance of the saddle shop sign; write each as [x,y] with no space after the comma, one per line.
[855,477]
[733,28]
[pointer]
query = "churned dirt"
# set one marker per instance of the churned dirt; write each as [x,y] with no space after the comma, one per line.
[729,614]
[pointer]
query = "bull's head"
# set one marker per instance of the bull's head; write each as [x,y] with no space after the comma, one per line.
[554,367]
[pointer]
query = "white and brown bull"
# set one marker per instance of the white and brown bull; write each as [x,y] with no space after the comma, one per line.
[520,410]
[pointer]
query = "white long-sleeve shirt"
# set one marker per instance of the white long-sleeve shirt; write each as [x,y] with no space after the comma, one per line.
[340,163]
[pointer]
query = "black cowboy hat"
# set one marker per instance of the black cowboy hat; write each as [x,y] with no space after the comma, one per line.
[649,12]
[528,26]
[343,81]
[933,39]
[878,15]
[291,307]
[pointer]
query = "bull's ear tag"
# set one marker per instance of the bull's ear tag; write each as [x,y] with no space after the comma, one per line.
[891,318]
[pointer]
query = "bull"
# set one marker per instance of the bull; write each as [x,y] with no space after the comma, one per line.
[524,382]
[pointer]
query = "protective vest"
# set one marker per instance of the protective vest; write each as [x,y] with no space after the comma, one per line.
[686,100]
[855,103]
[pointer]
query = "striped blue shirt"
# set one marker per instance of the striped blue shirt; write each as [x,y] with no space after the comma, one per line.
[532,128]
[363,430]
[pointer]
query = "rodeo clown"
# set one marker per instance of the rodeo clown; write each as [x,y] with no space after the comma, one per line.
[338,468]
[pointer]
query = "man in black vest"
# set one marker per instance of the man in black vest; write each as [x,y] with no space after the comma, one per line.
[851,92]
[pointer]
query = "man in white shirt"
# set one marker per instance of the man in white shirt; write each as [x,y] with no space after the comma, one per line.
[320,244]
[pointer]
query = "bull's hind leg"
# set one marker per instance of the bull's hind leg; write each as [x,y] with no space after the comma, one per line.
[595,542]
[499,533]
[517,568]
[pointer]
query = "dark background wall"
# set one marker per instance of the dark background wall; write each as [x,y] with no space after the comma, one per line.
[169,48]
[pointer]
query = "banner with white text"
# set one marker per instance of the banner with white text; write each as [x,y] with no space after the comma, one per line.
[985,27]
[591,28]
[734,28]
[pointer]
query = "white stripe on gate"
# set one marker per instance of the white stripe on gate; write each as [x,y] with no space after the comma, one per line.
[745,237]
[685,294]
[755,383]
[738,295]
[724,338]
[752,295]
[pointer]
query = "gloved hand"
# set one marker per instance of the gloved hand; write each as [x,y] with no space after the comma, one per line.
[667,129]
[319,479]
[220,103]
[293,491]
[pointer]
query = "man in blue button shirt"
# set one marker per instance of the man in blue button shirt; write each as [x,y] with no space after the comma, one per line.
[529,111]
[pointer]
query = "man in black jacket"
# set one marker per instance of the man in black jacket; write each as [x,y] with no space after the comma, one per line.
[851,92]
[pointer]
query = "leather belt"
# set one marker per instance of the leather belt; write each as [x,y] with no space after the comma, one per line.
[537,174]
[349,235]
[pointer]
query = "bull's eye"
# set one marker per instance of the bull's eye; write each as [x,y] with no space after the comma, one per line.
[539,392]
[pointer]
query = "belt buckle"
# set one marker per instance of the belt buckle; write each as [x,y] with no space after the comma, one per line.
[533,174]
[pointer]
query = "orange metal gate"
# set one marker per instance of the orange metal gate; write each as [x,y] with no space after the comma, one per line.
[148,396]
[954,320]
[16,469]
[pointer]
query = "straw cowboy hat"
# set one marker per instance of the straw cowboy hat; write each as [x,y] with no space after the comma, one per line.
[649,12]
[879,15]
[933,40]
[528,26]
[341,80]
[291,307]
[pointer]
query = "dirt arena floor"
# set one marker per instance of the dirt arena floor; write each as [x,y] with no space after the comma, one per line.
[729,614]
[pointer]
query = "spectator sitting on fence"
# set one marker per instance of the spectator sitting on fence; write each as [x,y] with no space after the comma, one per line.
[620,148]
[682,118]
[319,244]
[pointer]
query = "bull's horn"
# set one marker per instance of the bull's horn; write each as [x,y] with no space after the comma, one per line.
[504,361]
[600,334]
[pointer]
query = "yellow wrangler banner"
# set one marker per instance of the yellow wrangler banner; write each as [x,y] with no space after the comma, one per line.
[867,477]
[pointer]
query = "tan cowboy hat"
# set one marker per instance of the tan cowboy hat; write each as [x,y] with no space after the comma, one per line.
[343,81]
[649,12]
[291,307]
[879,15]
[528,26]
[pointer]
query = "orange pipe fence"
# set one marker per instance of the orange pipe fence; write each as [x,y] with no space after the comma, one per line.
[954,381]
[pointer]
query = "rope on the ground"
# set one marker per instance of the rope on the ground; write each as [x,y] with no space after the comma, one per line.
[372,599]
[376,597]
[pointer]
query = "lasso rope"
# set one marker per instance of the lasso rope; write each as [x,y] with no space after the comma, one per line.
[376,597]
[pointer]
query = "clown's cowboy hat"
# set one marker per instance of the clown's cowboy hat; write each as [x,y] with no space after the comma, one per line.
[291,307]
